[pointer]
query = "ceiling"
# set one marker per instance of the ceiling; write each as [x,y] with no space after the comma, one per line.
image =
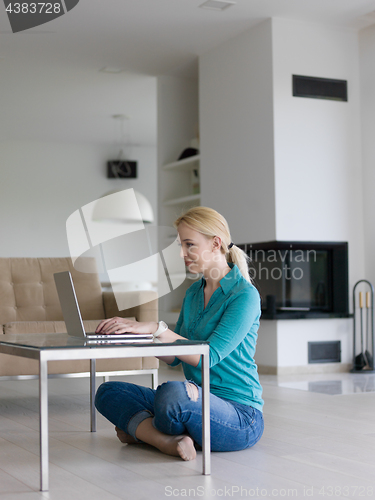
[51,86]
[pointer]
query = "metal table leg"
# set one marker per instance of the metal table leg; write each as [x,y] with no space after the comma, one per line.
[92,394]
[43,424]
[155,378]
[206,436]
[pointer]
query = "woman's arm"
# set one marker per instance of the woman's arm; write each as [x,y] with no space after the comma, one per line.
[170,336]
[236,322]
[124,325]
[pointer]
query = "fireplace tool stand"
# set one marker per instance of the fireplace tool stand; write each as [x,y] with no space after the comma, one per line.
[364,361]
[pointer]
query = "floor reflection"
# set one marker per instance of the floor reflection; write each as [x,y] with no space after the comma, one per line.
[333,384]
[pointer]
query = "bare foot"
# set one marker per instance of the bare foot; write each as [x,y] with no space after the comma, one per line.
[178,446]
[124,437]
[186,449]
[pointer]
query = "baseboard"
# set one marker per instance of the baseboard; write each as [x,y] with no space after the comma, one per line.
[312,368]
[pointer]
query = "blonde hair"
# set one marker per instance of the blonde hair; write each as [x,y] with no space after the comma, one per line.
[210,223]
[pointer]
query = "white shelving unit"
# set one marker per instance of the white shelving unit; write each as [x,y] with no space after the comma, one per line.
[180,181]
[186,164]
[178,174]
[183,199]
[177,177]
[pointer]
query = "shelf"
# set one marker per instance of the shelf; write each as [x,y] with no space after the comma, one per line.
[183,199]
[190,163]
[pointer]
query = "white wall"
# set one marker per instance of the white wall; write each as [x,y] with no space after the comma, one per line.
[298,333]
[236,123]
[41,184]
[290,166]
[317,142]
[367,69]
[318,168]
[284,344]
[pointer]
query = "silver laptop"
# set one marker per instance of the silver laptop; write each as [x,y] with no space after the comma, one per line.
[73,319]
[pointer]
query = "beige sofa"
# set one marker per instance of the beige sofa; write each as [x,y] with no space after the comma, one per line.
[29,304]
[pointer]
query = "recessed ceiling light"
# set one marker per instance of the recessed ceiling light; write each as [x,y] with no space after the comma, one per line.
[217,4]
[108,69]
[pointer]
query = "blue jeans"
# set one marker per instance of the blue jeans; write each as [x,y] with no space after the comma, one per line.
[234,426]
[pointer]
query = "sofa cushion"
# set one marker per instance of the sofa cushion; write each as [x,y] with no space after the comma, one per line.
[28,291]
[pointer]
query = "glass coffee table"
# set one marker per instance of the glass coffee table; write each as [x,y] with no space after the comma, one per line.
[56,346]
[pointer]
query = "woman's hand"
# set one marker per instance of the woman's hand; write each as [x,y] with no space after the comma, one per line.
[124,325]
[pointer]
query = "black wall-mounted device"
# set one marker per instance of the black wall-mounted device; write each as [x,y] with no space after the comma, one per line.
[121,169]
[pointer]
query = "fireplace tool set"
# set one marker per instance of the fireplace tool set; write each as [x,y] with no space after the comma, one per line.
[364,361]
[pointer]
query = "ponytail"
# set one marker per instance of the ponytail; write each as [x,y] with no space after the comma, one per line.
[241,259]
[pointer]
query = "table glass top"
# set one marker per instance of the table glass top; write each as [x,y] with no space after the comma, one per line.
[42,341]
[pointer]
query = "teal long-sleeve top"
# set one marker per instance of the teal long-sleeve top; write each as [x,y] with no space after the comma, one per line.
[230,324]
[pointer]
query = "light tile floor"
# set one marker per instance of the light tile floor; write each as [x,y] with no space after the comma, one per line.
[334,383]
[315,445]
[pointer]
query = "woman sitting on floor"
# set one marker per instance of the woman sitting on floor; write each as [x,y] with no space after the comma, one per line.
[223,307]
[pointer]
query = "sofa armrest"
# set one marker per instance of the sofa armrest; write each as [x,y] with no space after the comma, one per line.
[129,301]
